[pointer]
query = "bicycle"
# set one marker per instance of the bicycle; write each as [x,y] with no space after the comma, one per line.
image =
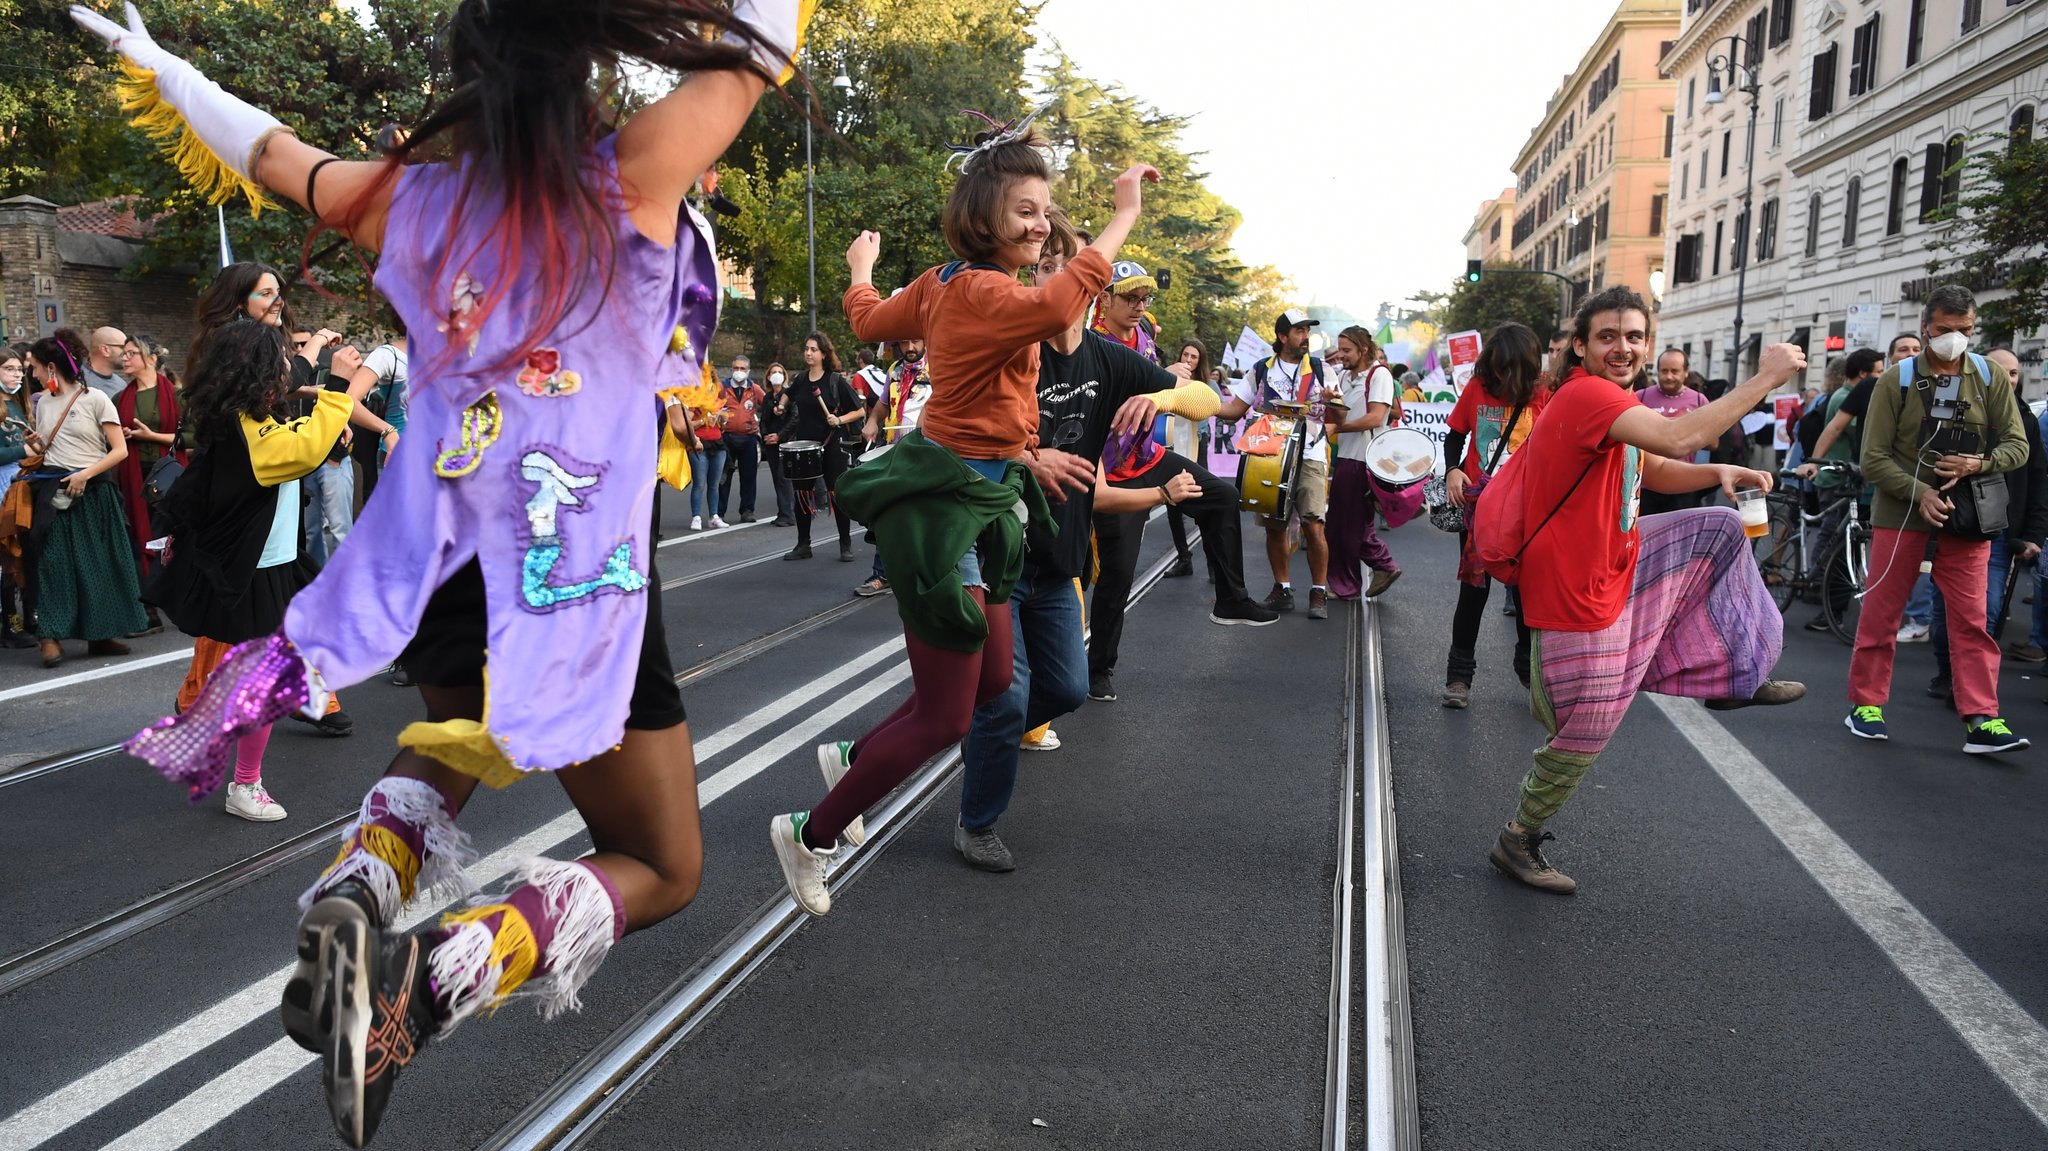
[1840,538]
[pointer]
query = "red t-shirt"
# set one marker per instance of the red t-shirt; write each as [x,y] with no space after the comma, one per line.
[1482,416]
[1578,571]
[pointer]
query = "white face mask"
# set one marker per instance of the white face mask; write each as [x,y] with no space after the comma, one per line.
[740,374]
[1949,346]
[775,378]
[10,389]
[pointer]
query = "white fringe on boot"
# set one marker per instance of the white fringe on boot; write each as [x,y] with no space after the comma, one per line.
[581,911]
[468,967]
[447,850]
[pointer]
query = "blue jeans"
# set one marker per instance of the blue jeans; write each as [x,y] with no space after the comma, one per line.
[1920,609]
[330,507]
[706,467]
[1050,680]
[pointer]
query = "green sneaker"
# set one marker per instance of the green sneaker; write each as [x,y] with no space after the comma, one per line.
[1993,737]
[1868,722]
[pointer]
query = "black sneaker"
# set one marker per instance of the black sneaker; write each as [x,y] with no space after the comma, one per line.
[306,990]
[399,676]
[746,517]
[1280,598]
[1992,737]
[1099,688]
[799,552]
[983,849]
[334,723]
[1941,687]
[846,553]
[380,1006]
[1247,611]
[1184,566]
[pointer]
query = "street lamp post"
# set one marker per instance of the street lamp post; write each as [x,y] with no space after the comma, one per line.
[1741,78]
[843,83]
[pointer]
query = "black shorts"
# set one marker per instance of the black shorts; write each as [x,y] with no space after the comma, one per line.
[448,649]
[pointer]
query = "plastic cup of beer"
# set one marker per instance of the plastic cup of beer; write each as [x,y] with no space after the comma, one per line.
[1756,512]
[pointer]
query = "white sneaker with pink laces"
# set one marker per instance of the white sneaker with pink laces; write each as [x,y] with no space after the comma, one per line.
[251,802]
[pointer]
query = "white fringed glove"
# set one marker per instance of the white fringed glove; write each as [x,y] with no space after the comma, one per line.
[230,128]
[781,25]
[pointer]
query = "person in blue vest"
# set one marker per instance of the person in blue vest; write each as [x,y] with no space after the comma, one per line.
[1291,376]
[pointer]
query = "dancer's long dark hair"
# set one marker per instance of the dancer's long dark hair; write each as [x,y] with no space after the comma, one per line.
[523,115]
[245,372]
[226,300]
[1511,363]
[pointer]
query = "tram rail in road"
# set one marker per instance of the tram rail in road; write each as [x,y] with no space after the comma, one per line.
[26,967]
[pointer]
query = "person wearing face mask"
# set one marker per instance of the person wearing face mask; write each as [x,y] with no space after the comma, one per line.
[1619,603]
[13,447]
[743,401]
[1936,422]
[772,402]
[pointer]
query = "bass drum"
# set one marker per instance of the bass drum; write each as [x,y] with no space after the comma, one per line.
[1265,484]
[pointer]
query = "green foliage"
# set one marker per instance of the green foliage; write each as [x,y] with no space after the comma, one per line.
[1502,295]
[61,135]
[2000,235]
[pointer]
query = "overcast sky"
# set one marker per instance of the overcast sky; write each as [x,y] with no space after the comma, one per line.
[1417,110]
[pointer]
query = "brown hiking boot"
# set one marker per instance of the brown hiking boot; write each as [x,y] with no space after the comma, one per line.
[1520,854]
[1458,696]
[1381,581]
[1773,693]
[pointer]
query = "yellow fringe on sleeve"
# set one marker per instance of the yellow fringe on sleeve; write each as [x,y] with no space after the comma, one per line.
[205,171]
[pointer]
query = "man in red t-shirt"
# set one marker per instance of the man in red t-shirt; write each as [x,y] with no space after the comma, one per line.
[1620,603]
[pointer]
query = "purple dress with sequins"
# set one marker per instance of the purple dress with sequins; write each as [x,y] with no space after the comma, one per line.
[544,471]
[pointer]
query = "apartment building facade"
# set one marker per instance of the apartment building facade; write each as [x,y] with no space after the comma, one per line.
[1490,237]
[1868,109]
[1591,183]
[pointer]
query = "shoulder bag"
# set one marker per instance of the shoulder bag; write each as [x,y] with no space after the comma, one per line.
[1447,516]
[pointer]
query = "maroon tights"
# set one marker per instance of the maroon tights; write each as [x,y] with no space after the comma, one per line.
[945,688]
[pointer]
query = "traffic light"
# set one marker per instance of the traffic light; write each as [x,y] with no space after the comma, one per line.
[1473,268]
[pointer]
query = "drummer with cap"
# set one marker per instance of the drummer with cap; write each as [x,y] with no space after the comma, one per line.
[1290,382]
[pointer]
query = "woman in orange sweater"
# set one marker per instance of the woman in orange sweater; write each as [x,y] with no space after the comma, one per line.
[942,499]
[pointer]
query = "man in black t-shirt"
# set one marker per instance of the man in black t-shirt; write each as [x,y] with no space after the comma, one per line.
[1087,387]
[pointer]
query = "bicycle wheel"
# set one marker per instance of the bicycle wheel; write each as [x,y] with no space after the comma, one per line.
[1841,582]
[1777,553]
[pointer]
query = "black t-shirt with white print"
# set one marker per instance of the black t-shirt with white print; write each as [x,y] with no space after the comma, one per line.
[1078,395]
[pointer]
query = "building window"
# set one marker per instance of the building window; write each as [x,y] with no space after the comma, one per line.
[1781,21]
[1895,201]
[1778,124]
[1973,14]
[1720,240]
[1930,182]
[1600,224]
[1670,127]
[1821,99]
[1657,214]
[1687,259]
[1916,29]
[1753,39]
[1493,233]
[1738,245]
[1952,173]
[1863,59]
[1691,89]
[2021,128]
[1852,203]
[1727,141]
[1684,177]
[1767,231]
[1813,226]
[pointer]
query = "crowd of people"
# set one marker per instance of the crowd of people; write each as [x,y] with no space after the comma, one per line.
[1002,448]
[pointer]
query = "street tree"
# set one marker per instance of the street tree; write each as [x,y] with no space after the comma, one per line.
[1498,299]
[1999,235]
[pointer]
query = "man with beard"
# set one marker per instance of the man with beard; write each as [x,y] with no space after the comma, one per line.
[1290,376]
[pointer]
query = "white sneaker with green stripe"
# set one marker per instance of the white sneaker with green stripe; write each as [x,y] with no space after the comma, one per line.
[835,760]
[802,868]
[1992,737]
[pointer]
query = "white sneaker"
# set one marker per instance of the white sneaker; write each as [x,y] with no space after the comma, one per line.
[696,523]
[833,762]
[716,522]
[251,802]
[802,868]
[1050,742]
[1914,633]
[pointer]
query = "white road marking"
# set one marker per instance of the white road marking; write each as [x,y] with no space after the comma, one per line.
[86,1096]
[710,533]
[182,655]
[2009,1041]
